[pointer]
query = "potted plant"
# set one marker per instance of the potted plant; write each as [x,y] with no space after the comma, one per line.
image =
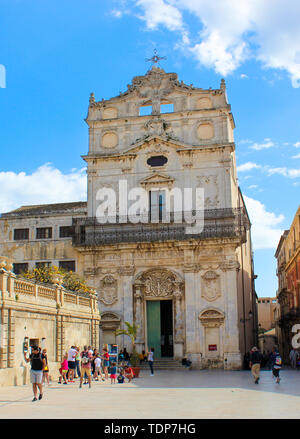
[131,332]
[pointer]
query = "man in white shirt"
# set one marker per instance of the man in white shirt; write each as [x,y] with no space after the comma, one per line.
[71,363]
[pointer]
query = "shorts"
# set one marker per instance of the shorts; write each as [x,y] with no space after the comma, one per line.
[113,376]
[64,371]
[71,365]
[36,376]
[86,370]
[98,369]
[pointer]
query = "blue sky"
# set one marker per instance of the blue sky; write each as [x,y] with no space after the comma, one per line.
[56,52]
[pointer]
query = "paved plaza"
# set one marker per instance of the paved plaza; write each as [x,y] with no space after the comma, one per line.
[168,395]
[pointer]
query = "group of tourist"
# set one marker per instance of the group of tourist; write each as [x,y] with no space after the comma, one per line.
[256,360]
[86,365]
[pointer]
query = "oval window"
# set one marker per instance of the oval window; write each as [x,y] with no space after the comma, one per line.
[158,160]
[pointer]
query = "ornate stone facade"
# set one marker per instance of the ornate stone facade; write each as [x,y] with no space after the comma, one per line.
[187,292]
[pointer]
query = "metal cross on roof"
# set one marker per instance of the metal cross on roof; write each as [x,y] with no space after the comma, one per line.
[155,58]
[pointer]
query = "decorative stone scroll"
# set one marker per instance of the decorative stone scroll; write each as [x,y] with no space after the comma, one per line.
[211,318]
[108,292]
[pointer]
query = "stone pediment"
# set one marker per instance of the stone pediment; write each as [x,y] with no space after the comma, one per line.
[157,179]
[156,142]
[154,86]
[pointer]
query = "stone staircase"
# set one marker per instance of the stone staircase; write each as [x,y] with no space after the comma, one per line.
[163,364]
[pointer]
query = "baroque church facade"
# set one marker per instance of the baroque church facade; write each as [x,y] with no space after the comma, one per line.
[189,293]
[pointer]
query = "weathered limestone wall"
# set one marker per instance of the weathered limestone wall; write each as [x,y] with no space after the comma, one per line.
[56,318]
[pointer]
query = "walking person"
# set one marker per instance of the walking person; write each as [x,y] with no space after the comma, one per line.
[36,374]
[150,359]
[71,363]
[255,362]
[86,359]
[294,355]
[98,371]
[46,369]
[105,363]
[77,362]
[276,364]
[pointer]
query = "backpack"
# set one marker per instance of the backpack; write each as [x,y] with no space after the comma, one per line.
[85,357]
[278,360]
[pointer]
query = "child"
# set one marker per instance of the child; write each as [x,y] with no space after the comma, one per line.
[113,373]
[98,368]
[121,377]
[64,370]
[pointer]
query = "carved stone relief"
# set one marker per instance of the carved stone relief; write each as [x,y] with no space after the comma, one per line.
[211,287]
[108,291]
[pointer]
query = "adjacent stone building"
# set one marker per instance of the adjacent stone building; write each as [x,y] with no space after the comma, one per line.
[191,291]
[288,293]
[41,314]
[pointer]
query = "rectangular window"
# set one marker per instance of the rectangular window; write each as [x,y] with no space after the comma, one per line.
[157,206]
[67,265]
[44,233]
[20,268]
[21,234]
[66,232]
[42,264]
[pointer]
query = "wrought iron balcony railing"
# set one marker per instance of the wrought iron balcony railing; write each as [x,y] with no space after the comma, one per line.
[217,223]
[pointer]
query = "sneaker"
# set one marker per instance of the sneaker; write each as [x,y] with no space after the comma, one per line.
[34,399]
[80,386]
[66,382]
[41,396]
[152,374]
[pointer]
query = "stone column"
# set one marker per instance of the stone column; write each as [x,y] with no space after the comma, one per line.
[179,323]
[11,339]
[126,273]
[232,354]
[140,340]
[4,338]
[191,318]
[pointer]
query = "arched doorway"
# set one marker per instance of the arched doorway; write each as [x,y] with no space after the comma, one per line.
[158,310]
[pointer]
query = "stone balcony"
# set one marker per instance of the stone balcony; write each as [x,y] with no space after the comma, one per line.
[217,223]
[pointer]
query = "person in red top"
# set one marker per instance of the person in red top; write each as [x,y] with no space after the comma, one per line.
[129,374]
[105,363]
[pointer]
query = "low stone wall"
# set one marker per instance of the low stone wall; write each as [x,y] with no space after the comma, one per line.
[45,314]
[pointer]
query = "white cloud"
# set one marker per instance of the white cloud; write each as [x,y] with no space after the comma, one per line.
[264,231]
[233,31]
[290,173]
[297,145]
[259,146]
[297,156]
[45,185]
[159,12]
[247,167]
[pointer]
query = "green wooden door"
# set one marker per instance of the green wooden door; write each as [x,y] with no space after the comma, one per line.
[153,327]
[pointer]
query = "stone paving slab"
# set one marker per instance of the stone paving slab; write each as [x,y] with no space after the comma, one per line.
[179,394]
